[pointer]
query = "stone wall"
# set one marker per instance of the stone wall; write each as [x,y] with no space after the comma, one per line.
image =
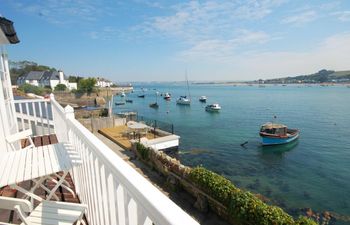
[78,99]
[177,178]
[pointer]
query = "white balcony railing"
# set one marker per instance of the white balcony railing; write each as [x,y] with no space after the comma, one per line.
[35,114]
[114,192]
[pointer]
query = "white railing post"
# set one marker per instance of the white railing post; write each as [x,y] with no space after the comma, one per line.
[69,114]
[52,96]
[69,111]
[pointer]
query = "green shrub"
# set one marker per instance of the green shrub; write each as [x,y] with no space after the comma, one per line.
[87,85]
[28,88]
[302,220]
[60,87]
[242,205]
[143,151]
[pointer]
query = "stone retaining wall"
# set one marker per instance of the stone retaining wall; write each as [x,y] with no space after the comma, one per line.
[177,177]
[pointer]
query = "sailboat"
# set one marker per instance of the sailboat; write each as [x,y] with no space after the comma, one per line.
[183,100]
[155,104]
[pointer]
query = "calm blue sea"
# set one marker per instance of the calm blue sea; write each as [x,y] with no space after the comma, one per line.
[312,172]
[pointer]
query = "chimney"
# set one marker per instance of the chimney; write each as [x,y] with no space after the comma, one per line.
[61,76]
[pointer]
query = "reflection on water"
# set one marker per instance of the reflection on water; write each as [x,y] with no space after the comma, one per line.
[278,149]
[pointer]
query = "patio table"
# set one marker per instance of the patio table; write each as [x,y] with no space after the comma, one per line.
[37,164]
[137,127]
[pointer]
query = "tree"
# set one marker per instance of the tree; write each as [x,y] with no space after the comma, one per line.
[86,85]
[20,68]
[74,79]
[60,87]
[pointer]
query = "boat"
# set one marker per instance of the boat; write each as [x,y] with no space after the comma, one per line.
[128,100]
[213,107]
[167,96]
[203,99]
[183,100]
[141,96]
[120,103]
[276,134]
[154,105]
[122,94]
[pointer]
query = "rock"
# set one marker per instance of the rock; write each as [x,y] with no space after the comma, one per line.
[263,198]
[306,195]
[309,212]
[326,215]
[202,203]
[100,101]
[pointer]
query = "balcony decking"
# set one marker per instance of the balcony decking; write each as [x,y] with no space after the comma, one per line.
[64,195]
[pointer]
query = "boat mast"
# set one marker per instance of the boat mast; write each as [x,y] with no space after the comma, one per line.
[188,86]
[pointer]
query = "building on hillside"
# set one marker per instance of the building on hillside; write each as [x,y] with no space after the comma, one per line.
[46,79]
[102,82]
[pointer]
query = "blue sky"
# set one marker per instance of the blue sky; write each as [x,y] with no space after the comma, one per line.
[143,40]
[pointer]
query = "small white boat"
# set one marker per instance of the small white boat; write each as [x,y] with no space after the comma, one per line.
[203,98]
[167,96]
[122,94]
[183,100]
[213,107]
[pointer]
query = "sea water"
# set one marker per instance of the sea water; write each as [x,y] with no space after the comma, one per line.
[311,172]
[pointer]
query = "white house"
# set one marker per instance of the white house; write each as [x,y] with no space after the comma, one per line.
[46,79]
[101,82]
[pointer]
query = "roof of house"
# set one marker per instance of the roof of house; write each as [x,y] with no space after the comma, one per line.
[34,75]
[52,75]
[7,28]
[41,75]
[102,79]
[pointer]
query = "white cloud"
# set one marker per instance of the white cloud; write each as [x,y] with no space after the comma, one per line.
[302,18]
[202,20]
[151,4]
[105,33]
[343,16]
[329,5]
[221,50]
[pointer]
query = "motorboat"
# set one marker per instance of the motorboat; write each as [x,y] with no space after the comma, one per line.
[213,107]
[167,96]
[120,103]
[183,100]
[276,134]
[203,99]
[141,96]
[122,94]
[128,100]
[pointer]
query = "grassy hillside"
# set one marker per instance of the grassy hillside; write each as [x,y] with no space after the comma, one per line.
[321,76]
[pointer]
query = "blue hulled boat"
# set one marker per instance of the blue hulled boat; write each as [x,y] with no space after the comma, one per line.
[276,134]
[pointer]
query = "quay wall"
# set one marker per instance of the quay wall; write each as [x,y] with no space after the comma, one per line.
[178,176]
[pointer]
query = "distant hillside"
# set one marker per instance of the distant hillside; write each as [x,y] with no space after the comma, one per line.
[322,76]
